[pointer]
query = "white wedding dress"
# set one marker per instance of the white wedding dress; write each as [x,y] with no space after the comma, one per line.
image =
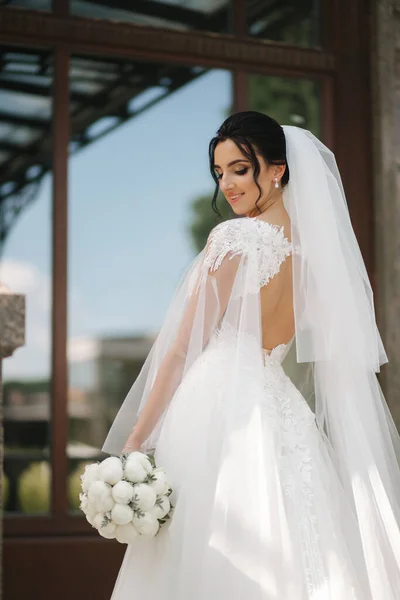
[260,513]
[284,464]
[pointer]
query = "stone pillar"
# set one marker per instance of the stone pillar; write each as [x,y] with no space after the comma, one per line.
[12,336]
[385,63]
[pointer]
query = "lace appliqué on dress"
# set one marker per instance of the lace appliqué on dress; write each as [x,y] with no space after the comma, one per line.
[296,426]
[297,423]
[261,243]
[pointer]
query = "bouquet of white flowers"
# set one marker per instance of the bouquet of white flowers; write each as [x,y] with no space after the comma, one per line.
[124,497]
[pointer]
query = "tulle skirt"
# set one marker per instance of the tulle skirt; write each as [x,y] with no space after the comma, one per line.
[259,512]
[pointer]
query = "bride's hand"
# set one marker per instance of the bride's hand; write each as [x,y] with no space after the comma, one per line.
[131,445]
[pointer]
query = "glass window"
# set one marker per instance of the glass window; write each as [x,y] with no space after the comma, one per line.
[140,206]
[30,4]
[25,266]
[290,101]
[292,21]
[206,15]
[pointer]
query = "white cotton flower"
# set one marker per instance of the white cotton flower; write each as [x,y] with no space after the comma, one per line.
[110,470]
[144,496]
[121,514]
[144,461]
[84,502]
[147,525]
[135,471]
[106,503]
[102,503]
[162,507]
[122,492]
[159,482]
[108,531]
[105,534]
[89,476]
[110,527]
[91,508]
[90,519]
[98,494]
[126,534]
[98,520]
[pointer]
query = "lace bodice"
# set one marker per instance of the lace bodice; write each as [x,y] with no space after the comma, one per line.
[263,244]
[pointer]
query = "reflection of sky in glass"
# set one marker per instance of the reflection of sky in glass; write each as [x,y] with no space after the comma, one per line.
[129,216]
[25,105]
[145,97]
[18,135]
[22,76]
[14,63]
[83,71]
[130,209]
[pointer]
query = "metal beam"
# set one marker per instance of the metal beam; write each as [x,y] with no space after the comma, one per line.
[7,146]
[14,168]
[37,90]
[160,10]
[40,124]
[38,53]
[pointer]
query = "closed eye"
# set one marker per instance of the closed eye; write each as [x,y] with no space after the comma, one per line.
[238,172]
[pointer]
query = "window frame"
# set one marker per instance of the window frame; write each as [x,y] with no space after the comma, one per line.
[345,106]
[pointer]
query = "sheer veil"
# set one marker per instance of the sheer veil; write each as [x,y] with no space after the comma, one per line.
[336,332]
[334,358]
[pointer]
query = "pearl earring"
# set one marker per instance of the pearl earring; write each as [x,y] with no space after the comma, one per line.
[276,182]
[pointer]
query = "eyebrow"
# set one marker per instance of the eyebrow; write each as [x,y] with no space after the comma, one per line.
[233,162]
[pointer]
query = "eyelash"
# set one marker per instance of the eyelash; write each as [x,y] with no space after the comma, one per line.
[241,172]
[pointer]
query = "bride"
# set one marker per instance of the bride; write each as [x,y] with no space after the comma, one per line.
[260,397]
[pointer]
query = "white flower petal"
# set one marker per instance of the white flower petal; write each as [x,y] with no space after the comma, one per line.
[121,514]
[126,534]
[110,527]
[162,507]
[98,520]
[89,476]
[90,520]
[134,471]
[106,504]
[110,470]
[91,509]
[98,494]
[144,496]
[147,525]
[160,483]
[106,534]
[122,492]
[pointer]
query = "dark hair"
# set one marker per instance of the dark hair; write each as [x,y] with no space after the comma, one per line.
[251,131]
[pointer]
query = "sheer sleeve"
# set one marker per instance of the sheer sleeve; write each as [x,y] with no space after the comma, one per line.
[203,312]
[195,312]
